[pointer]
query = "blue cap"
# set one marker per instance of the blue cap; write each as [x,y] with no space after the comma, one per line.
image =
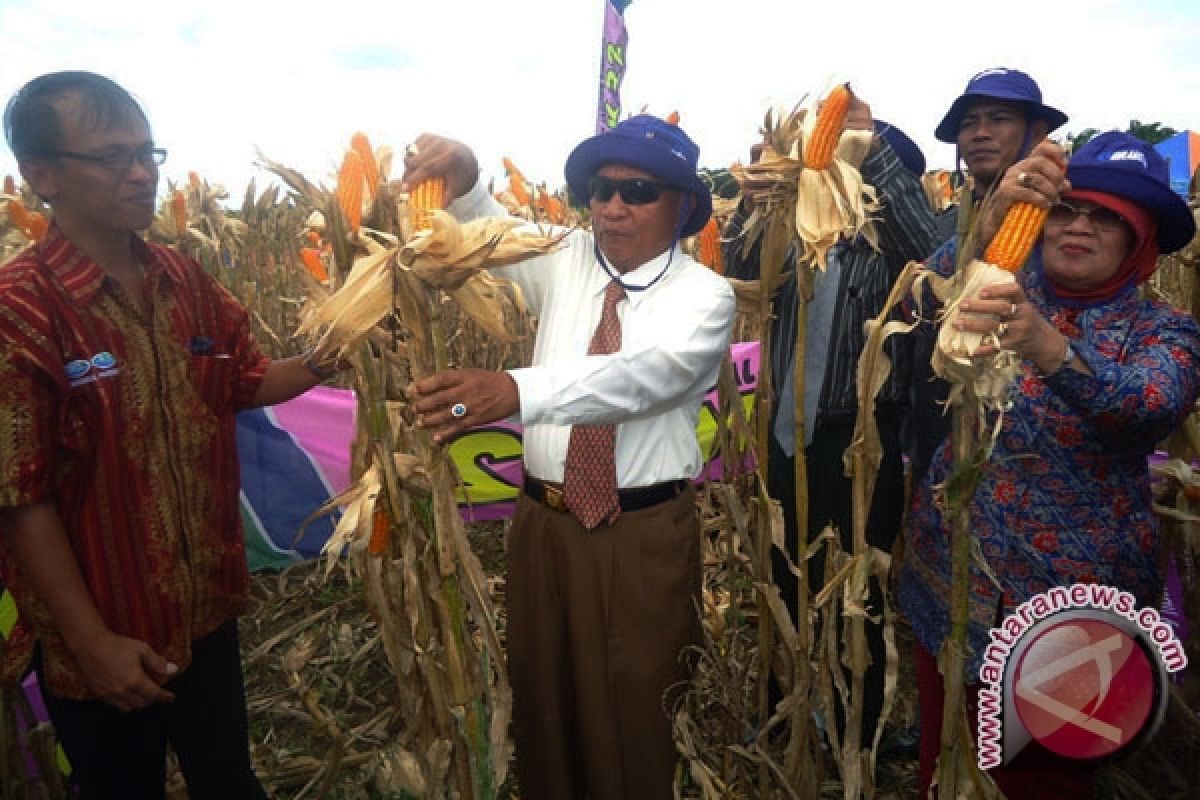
[998,83]
[1120,164]
[905,148]
[648,143]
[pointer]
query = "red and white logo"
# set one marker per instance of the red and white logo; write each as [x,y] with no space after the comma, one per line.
[1079,669]
[1084,688]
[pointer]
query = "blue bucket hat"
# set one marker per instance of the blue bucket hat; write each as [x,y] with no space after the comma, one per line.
[905,148]
[1120,164]
[998,83]
[648,143]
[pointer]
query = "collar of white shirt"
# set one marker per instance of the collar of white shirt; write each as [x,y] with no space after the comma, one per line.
[641,276]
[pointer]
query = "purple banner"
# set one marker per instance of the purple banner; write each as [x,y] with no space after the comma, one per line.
[612,66]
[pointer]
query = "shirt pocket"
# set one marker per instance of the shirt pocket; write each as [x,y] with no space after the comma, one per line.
[214,374]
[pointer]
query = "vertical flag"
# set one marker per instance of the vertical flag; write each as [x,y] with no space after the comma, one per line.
[612,65]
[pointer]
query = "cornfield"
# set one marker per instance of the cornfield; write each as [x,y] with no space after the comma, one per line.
[380,671]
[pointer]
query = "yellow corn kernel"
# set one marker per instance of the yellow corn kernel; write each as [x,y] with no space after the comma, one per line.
[360,144]
[179,211]
[350,189]
[831,118]
[516,182]
[311,258]
[381,526]
[551,206]
[672,118]
[708,247]
[1018,233]
[31,224]
[426,196]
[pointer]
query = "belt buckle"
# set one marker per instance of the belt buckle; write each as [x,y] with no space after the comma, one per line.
[554,497]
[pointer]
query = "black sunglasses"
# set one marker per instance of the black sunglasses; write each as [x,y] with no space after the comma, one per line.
[1063,213]
[633,191]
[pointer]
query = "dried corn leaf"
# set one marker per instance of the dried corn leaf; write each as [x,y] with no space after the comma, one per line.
[449,252]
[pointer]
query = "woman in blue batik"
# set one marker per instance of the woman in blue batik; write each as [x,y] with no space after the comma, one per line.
[1065,496]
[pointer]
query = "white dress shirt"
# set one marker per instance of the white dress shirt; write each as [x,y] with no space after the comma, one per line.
[673,338]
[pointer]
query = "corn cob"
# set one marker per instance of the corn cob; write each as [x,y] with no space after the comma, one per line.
[672,118]
[311,258]
[179,211]
[708,250]
[38,225]
[30,223]
[427,196]
[1018,232]
[380,532]
[831,118]
[551,206]
[516,182]
[362,145]
[350,189]
[10,185]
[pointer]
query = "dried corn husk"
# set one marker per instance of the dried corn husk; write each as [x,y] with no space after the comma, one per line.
[954,357]
[449,252]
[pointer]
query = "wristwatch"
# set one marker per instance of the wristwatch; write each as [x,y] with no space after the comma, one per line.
[321,371]
[1068,357]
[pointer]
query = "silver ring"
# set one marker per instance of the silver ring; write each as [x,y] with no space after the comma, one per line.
[1023,178]
[458,410]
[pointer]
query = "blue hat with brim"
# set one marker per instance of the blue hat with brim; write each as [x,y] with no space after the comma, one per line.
[905,148]
[998,83]
[650,144]
[1120,164]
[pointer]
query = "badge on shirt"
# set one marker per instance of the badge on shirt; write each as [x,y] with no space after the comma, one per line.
[86,370]
[201,346]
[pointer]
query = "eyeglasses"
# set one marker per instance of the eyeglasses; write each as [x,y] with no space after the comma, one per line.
[633,191]
[118,161]
[1063,213]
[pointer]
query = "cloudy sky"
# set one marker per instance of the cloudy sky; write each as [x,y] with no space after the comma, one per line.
[222,78]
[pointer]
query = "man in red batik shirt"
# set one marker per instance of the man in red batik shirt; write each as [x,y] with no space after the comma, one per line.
[122,365]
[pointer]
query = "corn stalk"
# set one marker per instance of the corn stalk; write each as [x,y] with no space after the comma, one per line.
[400,304]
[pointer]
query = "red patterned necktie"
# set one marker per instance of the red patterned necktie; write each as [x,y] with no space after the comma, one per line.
[590,474]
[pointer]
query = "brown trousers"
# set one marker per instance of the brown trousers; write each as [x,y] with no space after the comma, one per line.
[597,625]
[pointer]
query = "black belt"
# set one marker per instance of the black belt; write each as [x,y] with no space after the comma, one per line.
[630,499]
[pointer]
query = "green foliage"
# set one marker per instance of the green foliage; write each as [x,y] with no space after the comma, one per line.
[720,181]
[1148,132]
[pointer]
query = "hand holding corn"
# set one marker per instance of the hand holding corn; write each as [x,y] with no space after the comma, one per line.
[858,115]
[1037,182]
[432,156]
[482,396]
[1003,310]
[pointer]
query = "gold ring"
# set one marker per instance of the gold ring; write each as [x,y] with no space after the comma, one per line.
[1001,329]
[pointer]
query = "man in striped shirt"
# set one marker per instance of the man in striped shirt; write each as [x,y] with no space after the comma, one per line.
[122,364]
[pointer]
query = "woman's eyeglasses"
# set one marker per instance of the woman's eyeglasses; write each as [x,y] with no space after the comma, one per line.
[633,191]
[1063,213]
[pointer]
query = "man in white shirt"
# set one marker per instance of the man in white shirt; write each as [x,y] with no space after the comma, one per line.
[604,561]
